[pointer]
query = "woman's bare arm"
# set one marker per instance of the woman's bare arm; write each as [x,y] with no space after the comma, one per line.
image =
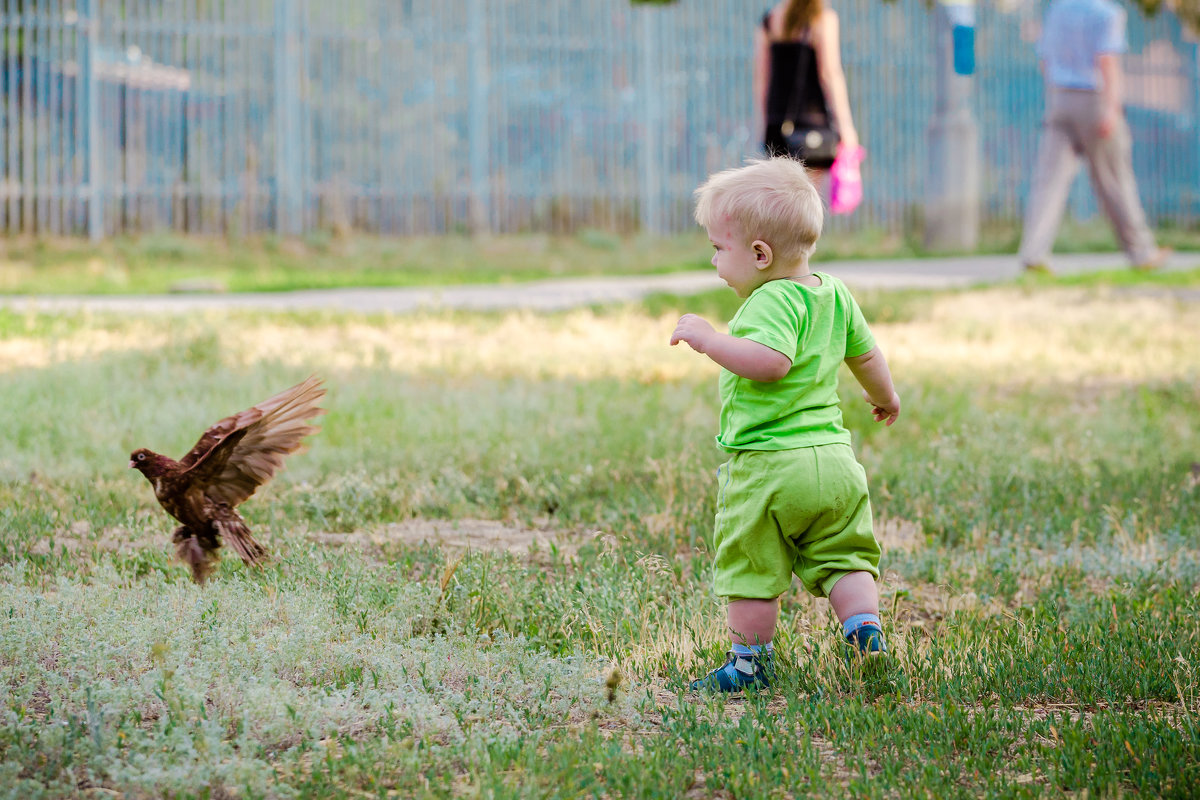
[762,64]
[827,43]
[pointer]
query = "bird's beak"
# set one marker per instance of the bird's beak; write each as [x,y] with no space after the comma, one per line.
[132,464]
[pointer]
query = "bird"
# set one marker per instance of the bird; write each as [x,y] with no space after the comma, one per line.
[227,465]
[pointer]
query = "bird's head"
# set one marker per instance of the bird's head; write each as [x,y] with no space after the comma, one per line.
[147,462]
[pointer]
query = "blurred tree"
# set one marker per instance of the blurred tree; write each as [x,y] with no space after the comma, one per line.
[1187,10]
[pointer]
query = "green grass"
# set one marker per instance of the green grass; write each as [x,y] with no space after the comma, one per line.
[160,263]
[1038,502]
[1170,279]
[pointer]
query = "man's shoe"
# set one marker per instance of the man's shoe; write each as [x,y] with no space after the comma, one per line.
[1156,261]
[738,673]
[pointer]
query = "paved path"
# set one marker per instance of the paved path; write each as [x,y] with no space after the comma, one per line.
[550,295]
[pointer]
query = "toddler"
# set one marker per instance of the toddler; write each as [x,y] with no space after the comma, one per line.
[792,498]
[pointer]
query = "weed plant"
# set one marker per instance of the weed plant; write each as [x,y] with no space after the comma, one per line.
[1038,503]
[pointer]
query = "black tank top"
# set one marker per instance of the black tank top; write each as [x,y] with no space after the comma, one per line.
[789,61]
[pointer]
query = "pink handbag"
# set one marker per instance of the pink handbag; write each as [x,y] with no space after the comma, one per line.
[845,179]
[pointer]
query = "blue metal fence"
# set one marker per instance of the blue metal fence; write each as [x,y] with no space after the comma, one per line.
[428,116]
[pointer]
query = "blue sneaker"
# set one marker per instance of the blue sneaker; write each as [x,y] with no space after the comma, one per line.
[738,673]
[868,640]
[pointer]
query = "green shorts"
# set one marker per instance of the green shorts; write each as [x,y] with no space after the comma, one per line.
[803,511]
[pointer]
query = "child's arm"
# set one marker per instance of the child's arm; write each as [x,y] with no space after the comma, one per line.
[871,371]
[740,356]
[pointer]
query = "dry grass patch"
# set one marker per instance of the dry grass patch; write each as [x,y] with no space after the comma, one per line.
[579,344]
[28,352]
[1052,336]
[899,534]
[453,535]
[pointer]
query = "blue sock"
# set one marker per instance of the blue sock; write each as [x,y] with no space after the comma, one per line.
[860,621]
[753,649]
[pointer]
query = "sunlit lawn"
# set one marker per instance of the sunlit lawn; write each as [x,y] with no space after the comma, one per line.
[490,568]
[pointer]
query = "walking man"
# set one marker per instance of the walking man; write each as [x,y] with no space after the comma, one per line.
[1080,49]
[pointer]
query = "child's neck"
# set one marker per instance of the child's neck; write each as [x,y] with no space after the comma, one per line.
[799,272]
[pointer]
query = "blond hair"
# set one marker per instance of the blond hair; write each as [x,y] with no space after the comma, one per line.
[771,199]
[799,15]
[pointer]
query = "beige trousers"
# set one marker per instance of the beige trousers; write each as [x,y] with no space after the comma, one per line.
[1068,133]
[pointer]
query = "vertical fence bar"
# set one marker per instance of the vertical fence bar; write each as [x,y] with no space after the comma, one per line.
[190,38]
[70,71]
[76,222]
[53,176]
[89,25]
[223,194]
[164,160]
[63,119]
[8,147]
[649,174]
[288,202]
[162,91]
[232,212]
[353,128]
[1190,212]
[41,105]
[195,118]
[28,142]
[129,111]
[376,117]
[197,113]
[479,133]
[153,97]
[120,124]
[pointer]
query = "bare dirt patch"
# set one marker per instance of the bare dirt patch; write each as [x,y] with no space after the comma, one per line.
[897,533]
[79,537]
[456,534]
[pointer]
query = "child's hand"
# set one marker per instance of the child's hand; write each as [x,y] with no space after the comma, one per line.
[693,330]
[886,413]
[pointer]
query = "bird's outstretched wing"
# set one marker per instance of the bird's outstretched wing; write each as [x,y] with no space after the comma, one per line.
[243,451]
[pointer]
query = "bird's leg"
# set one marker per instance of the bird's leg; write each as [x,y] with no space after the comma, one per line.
[197,549]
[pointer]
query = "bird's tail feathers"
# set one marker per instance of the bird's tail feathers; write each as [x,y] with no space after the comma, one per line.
[235,533]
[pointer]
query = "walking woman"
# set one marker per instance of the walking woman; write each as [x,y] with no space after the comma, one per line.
[799,83]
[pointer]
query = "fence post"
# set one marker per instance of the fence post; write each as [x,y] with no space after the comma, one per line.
[478,119]
[952,188]
[1191,41]
[289,200]
[94,194]
[650,142]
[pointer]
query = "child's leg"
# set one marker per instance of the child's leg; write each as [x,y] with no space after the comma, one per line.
[752,566]
[856,593]
[855,600]
[752,622]
[751,658]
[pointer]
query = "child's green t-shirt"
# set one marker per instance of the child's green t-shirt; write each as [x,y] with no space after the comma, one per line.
[816,327]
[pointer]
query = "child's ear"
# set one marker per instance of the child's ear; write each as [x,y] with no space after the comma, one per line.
[763,256]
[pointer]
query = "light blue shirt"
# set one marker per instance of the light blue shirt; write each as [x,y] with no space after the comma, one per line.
[1074,32]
